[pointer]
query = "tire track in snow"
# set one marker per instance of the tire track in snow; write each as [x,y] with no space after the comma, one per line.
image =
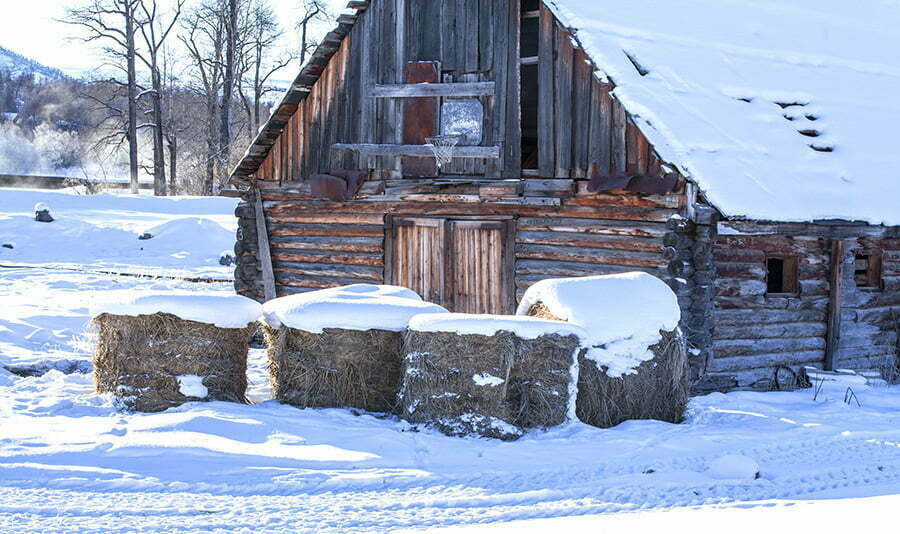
[492,497]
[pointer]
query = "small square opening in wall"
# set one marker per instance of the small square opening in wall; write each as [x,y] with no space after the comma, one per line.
[781,275]
[867,270]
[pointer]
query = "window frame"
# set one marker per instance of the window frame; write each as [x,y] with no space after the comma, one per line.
[790,273]
[875,269]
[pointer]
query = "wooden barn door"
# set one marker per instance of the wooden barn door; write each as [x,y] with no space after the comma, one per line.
[481,267]
[464,265]
[418,256]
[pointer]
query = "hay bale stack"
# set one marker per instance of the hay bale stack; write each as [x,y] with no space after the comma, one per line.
[341,347]
[490,376]
[657,389]
[635,365]
[158,351]
[336,368]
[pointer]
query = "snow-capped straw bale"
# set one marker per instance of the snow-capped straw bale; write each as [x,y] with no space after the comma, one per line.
[635,365]
[155,351]
[490,376]
[340,347]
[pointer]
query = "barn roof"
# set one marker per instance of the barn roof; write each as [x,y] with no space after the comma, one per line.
[296,93]
[778,110]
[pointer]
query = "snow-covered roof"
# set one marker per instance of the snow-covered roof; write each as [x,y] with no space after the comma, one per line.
[725,77]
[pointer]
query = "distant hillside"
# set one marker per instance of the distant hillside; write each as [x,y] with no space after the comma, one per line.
[19,64]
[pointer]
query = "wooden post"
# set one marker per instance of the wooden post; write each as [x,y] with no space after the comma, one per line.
[509,266]
[389,232]
[835,301]
[265,255]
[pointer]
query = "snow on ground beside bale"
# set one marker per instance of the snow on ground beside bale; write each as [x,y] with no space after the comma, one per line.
[488,325]
[356,307]
[622,314]
[186,230]
[734,466]
[101,231]
[223,311]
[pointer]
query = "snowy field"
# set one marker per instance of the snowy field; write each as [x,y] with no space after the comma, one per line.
[69,462]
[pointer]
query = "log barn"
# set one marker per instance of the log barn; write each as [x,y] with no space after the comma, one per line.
[743,163]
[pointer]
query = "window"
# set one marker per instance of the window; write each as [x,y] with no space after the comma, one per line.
[867,270]
[781,275]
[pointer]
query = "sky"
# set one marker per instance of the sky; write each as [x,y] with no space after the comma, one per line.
[30,28]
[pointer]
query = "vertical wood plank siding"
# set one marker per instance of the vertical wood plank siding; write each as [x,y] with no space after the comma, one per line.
[584,127]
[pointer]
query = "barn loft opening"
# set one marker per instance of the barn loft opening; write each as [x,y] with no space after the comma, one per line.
[530,49]
[867,270]
[781,275]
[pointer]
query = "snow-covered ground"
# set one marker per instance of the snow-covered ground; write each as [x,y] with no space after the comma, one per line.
[69,462]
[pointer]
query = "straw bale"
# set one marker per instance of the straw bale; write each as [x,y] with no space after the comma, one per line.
[658,389]
[336,368]
[493,386]
[139,360]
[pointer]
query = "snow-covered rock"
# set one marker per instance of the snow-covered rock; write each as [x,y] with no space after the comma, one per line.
[42,213]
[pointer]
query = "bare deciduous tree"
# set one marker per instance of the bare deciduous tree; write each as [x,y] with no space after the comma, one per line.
[155,30]
[114,24]
[204,37]
[259,60]
[228,82]
[313,11]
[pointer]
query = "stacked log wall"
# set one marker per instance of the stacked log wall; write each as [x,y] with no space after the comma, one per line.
[689,248]
[317,244]
[870,317]
[756,334]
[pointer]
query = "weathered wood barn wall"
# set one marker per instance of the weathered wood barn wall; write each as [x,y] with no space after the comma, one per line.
[825,319]
[339,98]
[562,199]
